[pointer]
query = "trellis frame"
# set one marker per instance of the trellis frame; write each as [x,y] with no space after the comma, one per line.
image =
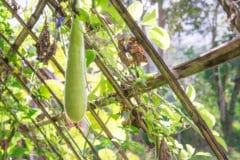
[218,55]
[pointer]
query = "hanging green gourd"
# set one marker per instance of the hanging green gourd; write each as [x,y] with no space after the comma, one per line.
[75,93]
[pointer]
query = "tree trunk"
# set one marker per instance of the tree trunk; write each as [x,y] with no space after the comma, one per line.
[222,104]
[230,112]
[220,90]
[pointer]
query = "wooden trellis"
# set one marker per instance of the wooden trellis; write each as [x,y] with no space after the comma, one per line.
[213,57]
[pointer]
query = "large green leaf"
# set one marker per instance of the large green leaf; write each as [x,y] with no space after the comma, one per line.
[190,150]
[160,37]
[208,118]
[149,18]
[183,155]
[136,10]
[43,92]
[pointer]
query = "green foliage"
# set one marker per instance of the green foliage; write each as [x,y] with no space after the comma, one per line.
[186,12]
[83,15]
[43,92]
[5,27]
[136,10]
[191,93]
[17,152]
[149,18]
[162,118]
[160,37]
[90,57]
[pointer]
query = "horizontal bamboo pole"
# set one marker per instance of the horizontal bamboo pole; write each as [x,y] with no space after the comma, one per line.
[216,56]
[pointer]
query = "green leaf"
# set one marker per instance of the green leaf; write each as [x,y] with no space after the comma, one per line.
[107,154]
[102,88]
[56,86]
[220,140]
[190,150]
[208,118]
[149,18]
[17,151]
[167,111]
[90,56]
[104,142]
[134,147]
[131,129]
[83,15]
[148,76]
[178,145]
[136,10]
[102,4]
[32,111]
[43,92]
[183,155]
[160,37]
[156,100]
[17,84]
[207,154]
[191,93]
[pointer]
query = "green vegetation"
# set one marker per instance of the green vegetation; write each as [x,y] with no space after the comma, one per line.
[76,83]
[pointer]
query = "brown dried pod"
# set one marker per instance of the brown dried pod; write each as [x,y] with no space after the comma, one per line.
[135,50]
[51,51]
[125,59]
[45,50]
[122,54]
[164,153]
[121,45]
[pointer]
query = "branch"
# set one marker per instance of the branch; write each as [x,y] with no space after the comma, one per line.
[231,7]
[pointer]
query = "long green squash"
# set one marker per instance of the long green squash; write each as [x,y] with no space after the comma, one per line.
[75,93]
